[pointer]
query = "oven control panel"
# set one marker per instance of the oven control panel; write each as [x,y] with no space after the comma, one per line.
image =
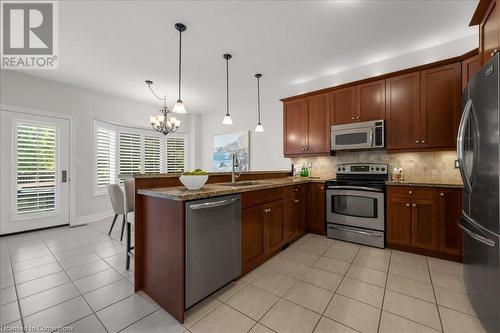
[362,168]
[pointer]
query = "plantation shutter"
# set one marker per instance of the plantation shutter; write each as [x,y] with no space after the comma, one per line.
[175,154]
[130,153]
[152,154]
[36,168]
[105,157]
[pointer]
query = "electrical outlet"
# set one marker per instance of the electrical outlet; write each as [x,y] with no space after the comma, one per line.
[456,164]
[309,165]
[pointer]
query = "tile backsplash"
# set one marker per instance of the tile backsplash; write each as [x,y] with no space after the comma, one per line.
[418,167]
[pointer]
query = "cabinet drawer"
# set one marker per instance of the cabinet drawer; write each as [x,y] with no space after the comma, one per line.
[409,192]
[254,198]
[295,189]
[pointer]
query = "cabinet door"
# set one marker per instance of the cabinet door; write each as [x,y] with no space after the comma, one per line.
[290,219]
[295,131]
[343,106]
[469,68]
[403,111]
[252,237]
[317,208]
[450,208]
[301,208]
[371,101]
[424,224]
[398,221]
[318,133]
[440,105]
[489,33]
[273,226]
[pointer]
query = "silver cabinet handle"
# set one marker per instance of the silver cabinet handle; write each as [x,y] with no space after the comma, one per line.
[213,204]
[356,231]
[410,192]
[477,237]
[414,205]
[267,210]
[296,201]
[461,145]
[417,141]
[423,141]
[441,194]
[407,205]
[353,118]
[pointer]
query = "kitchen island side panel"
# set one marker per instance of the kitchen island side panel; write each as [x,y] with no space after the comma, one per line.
[159,256]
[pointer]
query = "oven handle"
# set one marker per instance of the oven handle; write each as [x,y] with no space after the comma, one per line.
[366,233]
[360,188]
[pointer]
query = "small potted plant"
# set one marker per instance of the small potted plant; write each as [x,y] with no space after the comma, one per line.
[194,180]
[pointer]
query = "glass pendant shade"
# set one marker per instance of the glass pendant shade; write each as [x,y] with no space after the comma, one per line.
[259,128]
[227,120]
[179,107]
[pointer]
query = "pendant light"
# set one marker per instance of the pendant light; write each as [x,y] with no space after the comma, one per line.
[227,118]
[259,128]
[179,106]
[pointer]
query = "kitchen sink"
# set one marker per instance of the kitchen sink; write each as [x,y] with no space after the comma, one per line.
[243,184]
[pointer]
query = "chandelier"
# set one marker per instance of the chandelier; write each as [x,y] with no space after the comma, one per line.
[162,123]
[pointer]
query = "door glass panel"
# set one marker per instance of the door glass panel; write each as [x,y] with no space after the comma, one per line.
[35,168]
[351,139]
[354,206]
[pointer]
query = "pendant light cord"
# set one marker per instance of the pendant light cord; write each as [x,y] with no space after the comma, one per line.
[180,61]
[227,87]
[258,96]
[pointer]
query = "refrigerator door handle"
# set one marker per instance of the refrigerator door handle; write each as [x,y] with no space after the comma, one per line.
[461,145]
[477,237]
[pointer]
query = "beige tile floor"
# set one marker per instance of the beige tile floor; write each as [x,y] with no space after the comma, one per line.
[75,277]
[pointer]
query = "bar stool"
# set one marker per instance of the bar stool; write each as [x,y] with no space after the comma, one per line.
[129,208]
[117,201]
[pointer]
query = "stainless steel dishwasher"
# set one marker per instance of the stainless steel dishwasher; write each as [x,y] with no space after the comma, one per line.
[213,245]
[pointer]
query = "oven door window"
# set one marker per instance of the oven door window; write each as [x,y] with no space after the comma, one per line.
[357,206]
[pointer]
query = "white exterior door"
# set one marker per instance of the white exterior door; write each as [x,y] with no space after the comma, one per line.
[34,171]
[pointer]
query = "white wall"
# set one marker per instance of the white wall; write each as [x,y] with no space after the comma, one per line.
[266,149]
[22,90]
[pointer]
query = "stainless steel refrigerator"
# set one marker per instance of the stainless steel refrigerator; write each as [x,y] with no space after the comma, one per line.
[478,154]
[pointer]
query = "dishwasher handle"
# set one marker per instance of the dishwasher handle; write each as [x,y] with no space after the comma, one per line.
[214,204]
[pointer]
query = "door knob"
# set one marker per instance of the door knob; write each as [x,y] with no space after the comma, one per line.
[357,117]
[353,118]
[423,141]
[414,205]
[407,205]
[441,194]
[417,141]
[267,210]
[410,192]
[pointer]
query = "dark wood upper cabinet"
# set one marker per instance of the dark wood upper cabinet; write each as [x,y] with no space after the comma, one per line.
[469,68]
[317,219]
[489,35]
[343,106]
[371,101]
[450,207]
[318,134]
[424,224]
[440,105]
[403,111]
[295,119]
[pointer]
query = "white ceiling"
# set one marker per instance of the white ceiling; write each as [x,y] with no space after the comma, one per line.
[113,46]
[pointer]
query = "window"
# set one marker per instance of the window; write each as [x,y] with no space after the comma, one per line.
[36,168]
[125,150]
[130,153]
[175,147]
[152,155]
[105,150]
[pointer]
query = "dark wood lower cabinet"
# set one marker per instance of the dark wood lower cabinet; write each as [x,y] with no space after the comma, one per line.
[424,220]
[252,237]
[317,209]
[273,226]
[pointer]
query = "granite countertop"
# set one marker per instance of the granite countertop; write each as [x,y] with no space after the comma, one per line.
[178,174]
[425,183]
[181,193]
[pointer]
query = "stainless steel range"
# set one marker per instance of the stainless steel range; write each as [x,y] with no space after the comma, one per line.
[355,204]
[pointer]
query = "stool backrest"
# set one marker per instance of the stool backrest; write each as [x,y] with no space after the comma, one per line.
[117,200]
[130,194]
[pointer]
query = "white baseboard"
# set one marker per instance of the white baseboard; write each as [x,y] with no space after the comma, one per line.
[79,220]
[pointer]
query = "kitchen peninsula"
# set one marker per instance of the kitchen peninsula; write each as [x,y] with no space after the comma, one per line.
[274,212]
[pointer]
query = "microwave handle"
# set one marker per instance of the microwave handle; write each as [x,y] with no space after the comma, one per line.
[371,137]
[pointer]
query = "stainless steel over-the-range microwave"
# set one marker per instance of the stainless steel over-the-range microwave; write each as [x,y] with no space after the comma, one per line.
[362,135]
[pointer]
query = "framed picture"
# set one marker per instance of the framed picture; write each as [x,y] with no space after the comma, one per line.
[224,147]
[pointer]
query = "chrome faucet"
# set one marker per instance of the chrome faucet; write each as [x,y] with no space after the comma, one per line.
[236,164]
